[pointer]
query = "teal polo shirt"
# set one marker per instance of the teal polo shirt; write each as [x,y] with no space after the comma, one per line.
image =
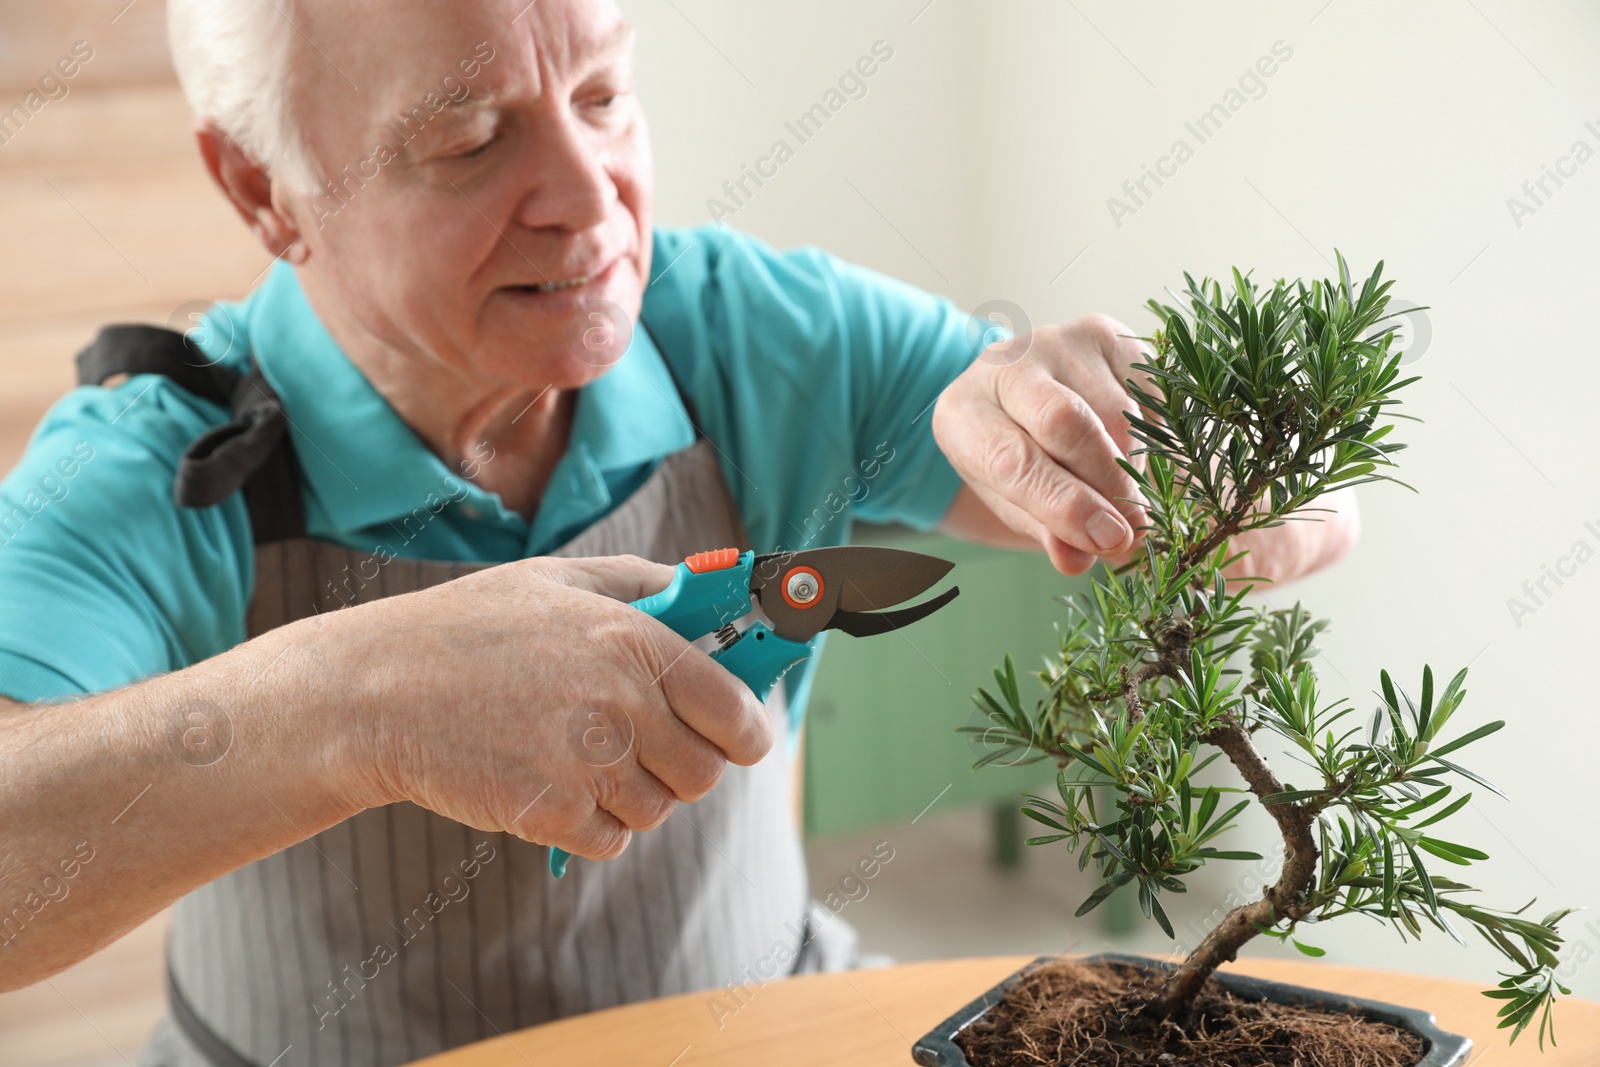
[813,378]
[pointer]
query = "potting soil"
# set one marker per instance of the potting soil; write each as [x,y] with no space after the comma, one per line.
[1091,1015]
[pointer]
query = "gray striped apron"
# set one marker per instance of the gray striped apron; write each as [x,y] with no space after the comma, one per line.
[398,933]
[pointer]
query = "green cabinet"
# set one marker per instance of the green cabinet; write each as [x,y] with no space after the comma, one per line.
[881,740]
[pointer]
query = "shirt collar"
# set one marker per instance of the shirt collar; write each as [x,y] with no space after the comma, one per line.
[363,465]
[632,414]
[629,417]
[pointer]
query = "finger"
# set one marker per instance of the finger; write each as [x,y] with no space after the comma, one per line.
[1066,559]
[687,764]
[711,701]
[1098,376]
[634,796]
[625,578]
[1066,425]
[1120,350]
[576,826]
[599,837]
[1015,467]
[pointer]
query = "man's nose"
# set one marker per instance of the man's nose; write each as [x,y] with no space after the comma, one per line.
[571,188]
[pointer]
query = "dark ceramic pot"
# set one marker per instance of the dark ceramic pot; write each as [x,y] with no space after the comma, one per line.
[939,1048]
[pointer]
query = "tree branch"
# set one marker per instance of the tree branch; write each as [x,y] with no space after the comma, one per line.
[1285,899]
[1244,500]
[1132,682]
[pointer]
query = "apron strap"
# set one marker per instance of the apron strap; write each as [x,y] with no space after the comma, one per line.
[251,452]
[205,1040]
[137,349]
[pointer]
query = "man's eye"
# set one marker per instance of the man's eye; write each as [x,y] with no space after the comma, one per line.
[606,101]
[478,150]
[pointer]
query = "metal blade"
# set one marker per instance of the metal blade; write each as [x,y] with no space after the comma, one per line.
[867,577]
[854,579]
[869,624]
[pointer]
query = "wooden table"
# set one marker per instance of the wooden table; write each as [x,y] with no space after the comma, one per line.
[872,1017]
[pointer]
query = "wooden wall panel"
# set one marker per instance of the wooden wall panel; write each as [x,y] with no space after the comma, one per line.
[129,42]
[106,216]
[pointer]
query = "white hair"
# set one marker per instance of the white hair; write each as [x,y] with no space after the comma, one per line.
[234,59]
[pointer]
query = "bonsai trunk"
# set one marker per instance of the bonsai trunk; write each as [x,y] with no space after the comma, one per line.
[1285,899]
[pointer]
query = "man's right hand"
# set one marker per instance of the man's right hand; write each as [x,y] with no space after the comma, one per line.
[528,698]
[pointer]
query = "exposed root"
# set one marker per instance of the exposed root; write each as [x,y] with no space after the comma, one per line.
[1091,1015]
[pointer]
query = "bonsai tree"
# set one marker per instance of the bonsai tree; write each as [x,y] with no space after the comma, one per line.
[1255,401]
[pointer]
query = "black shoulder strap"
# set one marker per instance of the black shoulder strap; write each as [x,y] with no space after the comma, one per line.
[252,452]
[137,349]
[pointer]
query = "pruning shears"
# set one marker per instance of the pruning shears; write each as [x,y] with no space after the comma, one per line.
[789,598]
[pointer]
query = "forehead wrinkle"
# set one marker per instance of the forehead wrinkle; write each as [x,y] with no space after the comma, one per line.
[589,56]
[616,41]
[620,39]
[475,100]
[561,49]
[494,93]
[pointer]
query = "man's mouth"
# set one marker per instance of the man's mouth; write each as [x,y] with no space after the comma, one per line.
[556,287]
[596,275]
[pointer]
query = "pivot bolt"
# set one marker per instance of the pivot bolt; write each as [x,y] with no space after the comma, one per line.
[802,586]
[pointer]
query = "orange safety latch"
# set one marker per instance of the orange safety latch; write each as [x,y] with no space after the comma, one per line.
[719,559]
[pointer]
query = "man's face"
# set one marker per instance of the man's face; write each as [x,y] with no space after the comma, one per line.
[491,179]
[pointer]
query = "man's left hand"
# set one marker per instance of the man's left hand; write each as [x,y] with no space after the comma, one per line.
[1035,427]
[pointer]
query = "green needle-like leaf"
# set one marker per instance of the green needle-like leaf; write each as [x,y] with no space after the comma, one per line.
[1252,402]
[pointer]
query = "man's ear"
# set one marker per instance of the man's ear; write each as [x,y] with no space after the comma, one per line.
[249,187]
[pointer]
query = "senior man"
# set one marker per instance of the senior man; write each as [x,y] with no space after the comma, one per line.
[353,808]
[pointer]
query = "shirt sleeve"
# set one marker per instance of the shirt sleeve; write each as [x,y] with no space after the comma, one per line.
[815,379]
[104,580]
[906,346]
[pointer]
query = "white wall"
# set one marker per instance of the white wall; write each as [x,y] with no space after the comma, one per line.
[721,79]
[992,141]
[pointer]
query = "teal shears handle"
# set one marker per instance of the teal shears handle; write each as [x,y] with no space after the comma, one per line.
[708,591]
